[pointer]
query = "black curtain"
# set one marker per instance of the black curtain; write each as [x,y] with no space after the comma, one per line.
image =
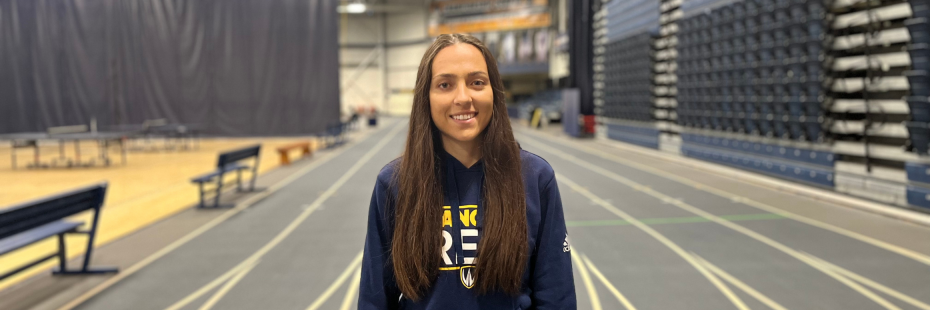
[238,67]
[581,51]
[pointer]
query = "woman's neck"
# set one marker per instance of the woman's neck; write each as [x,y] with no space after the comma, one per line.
[467,153]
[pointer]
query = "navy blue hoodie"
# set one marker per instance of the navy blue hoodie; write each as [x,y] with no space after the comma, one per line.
[547,281]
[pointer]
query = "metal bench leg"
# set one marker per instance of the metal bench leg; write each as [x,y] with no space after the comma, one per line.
[62,257]
[91,234]
[254,173]
[85,269]
[202,198]
[219,189]
[239,180]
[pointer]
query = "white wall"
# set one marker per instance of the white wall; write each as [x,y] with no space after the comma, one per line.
[360,38]
[407,41]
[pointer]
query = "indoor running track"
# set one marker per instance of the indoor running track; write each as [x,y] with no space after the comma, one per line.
[646,233]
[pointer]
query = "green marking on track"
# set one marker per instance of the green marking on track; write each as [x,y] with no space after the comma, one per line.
[676,220]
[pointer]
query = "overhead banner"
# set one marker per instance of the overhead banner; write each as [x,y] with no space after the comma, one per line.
[471,16]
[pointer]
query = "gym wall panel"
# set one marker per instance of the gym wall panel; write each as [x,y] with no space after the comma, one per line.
[407,27]
[365,91]
[362,29]
[402,79]
[406,56]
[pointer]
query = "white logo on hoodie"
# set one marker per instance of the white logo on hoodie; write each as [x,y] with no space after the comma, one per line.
[566,247]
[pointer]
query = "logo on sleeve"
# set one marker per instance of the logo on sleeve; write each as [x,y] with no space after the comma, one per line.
[566,247]
[467,275]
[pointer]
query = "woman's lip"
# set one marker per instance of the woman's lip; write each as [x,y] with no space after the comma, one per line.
[467,121]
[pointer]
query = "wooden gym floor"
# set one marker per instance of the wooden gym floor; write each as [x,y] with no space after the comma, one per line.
[152,185]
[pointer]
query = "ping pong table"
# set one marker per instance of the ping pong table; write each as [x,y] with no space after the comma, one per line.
[104,141]
[183,133]
[186,135]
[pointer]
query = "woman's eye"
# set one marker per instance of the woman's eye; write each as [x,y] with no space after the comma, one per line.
[479,82]
[443,85]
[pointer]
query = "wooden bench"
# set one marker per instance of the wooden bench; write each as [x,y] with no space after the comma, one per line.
[30,222]
[283,151]
[228,162]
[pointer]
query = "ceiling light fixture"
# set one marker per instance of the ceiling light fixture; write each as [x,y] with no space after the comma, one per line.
[355,8]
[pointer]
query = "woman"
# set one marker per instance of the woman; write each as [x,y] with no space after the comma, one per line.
[465,219]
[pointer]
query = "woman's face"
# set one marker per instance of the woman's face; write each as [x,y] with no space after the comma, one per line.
[460,95]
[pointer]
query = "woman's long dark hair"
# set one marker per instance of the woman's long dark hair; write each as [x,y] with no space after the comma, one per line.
[417,241]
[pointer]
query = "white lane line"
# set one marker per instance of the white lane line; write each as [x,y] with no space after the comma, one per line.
[204,228]
[228,286]
[313,206]
[777,185]
[869,283]
[208,287]
[353,266]
[738,302]
[738,284]
[852,284]
[586,279]
[752,203]
[352,291]
[655,234]
[700,212]
[610,286]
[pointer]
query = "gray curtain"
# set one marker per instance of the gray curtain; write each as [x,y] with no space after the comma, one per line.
[238,67]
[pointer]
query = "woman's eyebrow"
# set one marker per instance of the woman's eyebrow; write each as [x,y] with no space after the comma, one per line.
[450,75]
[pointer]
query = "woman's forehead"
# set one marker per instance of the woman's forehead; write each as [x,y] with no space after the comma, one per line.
[459,59]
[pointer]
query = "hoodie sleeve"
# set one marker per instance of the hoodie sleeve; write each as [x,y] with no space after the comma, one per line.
[552,281]
[377,289]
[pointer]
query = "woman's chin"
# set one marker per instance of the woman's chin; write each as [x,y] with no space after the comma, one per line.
[463,137]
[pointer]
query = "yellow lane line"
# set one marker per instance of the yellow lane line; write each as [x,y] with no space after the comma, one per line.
[852,284]
[202,229]
[588,284]
[652,232]
[869,283]
[292,226]
[352,292]
[354,266]
[228,286]
[700,212]
[739,284]
[210,286]
[613,290]
[925,259]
